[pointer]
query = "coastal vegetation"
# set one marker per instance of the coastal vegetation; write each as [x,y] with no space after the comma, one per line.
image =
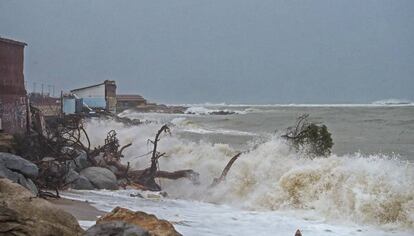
[312,138]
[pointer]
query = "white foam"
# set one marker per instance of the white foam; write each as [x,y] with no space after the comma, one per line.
[393,101]
[205,219]
[369,190]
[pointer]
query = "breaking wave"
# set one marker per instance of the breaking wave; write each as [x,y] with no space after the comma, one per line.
[374,189]
[393,101]
[199,110]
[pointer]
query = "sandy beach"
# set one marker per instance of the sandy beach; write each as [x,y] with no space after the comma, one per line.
[82,211]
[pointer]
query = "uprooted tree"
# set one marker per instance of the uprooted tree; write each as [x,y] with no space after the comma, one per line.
[313,138]
[54,146]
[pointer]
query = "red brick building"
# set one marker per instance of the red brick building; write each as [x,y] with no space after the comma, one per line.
[13,99]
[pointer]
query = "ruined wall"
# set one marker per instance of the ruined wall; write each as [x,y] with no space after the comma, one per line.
[13,101]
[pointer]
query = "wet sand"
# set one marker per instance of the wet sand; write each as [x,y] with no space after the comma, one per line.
[82,211]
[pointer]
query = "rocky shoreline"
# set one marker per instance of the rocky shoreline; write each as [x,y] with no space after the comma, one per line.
[22,213]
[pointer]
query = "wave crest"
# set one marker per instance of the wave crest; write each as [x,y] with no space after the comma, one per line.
[364,189]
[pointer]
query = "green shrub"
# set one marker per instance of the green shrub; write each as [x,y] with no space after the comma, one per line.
[314,139]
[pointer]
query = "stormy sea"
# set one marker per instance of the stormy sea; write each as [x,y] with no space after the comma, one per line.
[365,187]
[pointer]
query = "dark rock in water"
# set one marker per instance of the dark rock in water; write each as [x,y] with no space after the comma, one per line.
[82,183]
[18,164]
[18,178]
[116,228]
[23,214]
[101,178]
[298,233]
[136,195]
[223,113]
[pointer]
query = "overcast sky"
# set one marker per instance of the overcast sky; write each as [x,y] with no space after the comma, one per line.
[234,51]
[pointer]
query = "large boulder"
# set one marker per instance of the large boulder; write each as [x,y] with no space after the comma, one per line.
[151,223]
[101,178]
[18,164]
[77,181]
[21,213]
[18,178]
[116,228]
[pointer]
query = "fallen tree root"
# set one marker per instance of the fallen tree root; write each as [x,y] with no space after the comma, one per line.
[225,171]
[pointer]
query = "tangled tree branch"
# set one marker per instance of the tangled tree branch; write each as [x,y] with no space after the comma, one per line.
[313,138]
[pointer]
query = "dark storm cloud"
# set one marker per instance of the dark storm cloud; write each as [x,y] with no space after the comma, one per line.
[190,51]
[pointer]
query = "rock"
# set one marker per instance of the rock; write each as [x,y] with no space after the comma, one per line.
[21,213]
[101,178]
[28,184]
[6,173]
[151,223]
[80,162]
[82,183]
[18,164]
[222,113]
[71,176]
[298,233]
[18,178]
[116,228]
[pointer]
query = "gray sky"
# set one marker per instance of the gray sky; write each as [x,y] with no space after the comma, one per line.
[235,51]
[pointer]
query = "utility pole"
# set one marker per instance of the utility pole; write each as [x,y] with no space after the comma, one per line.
[42,88]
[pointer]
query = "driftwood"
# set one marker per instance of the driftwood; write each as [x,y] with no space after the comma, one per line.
[143,179]
[223,175]
[147,177]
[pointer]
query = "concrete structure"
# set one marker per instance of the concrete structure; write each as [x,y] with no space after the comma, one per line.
[98,96]
[13,99]
[127,101]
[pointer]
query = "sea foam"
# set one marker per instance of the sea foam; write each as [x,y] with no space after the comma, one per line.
[375,190]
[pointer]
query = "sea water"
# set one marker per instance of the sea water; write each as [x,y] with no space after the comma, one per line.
[366,187]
